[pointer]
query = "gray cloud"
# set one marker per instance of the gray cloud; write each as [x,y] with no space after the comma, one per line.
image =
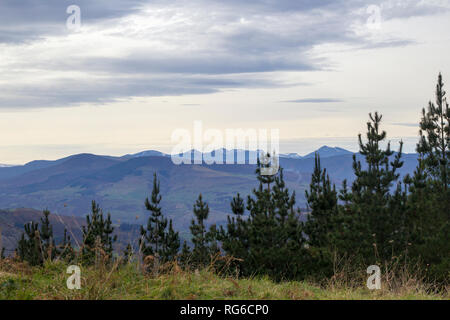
[27,20]
[30,20]
[99,91]
[230,44]
[196,64]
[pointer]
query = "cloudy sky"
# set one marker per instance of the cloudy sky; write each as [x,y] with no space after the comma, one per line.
[137,70]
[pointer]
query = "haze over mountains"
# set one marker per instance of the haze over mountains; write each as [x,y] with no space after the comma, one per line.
[121,184]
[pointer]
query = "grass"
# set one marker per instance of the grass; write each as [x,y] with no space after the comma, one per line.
[19,281]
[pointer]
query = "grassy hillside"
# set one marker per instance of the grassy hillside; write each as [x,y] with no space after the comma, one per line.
[18,281]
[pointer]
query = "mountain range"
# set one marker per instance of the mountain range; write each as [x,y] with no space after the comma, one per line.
[120,184]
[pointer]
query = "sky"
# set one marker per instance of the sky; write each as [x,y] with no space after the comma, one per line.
[133,72]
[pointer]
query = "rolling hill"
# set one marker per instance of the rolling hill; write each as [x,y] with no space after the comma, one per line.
[121,184]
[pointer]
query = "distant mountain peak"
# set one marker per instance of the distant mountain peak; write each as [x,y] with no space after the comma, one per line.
[291,155]
[330,148]
[146,153]
[326,152]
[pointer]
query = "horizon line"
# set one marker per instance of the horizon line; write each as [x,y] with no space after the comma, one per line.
[6,165]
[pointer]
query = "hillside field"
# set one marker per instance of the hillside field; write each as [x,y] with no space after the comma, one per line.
[18,281]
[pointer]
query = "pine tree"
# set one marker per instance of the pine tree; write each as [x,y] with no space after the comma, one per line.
[201,238]
[322,201]
[434,143]
[97,235]
[37,245]
[427,216]
[171,244]
[49,249]
[67,251]
[159,237]
[288,233]
[234,238]
[270,240]
[185,256]
[155,231]
[29,247]
[429,198]
[375,227]
[322,222]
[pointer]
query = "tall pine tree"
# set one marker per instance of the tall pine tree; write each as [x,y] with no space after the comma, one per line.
[429,198]
[159,237]
[98,235]
[48,242]
[375,227]
[322,201]
[434,143]
[321,223]
[204,241]
[270,240]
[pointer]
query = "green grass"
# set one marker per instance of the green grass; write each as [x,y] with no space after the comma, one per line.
[18,281]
